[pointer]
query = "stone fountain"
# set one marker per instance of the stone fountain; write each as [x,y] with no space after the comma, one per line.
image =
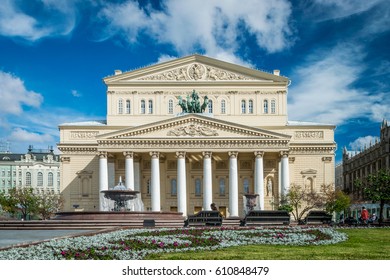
[123,199]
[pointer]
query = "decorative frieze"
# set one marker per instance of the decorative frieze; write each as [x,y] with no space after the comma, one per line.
[193,130]
[309,135]
[195,72]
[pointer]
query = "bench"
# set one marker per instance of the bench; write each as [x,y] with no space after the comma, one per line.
[318,217]
[266,217]
[204,218]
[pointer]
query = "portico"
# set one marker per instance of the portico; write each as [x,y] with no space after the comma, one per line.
[204,153]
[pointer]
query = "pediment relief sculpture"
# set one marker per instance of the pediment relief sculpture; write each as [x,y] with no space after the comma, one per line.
[195,72]
[192,130]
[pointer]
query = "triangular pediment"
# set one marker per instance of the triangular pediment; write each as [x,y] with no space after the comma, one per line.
[195,68]
[190,126]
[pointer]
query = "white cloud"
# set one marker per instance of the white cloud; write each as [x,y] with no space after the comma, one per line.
[55,18]
[322,88]
[334,9]
[363,142]
[75,93]
[22,135]
[14,95]
[211,26]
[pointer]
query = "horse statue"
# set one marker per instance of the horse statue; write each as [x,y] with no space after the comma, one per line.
[192,104]
[205,104]
[183,104]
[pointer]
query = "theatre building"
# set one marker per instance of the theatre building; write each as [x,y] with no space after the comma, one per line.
[238,141]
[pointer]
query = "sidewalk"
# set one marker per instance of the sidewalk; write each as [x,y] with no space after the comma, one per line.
[19,237]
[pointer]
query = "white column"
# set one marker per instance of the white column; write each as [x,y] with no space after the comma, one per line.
[181,183]
[259,177]
[285,173]
[155,181]
[103,180]
[233,184]
[207,181]
[129,170]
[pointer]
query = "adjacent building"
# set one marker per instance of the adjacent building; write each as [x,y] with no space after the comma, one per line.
[180,159]
[359,164]
[38,168]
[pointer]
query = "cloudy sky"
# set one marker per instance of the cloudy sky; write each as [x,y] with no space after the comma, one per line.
[54,54]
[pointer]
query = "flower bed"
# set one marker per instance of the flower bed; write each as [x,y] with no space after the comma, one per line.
[137,243]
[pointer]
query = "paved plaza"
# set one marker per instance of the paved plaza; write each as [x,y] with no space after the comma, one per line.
[18,237]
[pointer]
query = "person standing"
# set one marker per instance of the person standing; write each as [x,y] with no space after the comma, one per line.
[364,215]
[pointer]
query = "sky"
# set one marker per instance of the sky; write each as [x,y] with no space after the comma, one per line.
[55,53]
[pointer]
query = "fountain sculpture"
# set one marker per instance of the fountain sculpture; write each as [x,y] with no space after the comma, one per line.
[123,199]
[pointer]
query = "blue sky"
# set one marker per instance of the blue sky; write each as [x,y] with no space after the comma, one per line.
[54,54]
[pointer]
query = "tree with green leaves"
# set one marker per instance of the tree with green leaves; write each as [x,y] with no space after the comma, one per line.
[303,199]
[335,200]
[21,200]
[376,187]
[28,203]
[48,204]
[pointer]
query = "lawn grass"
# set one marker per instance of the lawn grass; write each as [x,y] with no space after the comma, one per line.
[362,244]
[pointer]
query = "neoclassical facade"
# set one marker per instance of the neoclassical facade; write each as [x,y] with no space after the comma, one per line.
[243,142]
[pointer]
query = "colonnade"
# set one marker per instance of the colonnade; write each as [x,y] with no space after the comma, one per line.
[182,180]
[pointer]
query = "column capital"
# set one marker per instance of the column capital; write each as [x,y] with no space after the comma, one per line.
[259,154]
[102,154]
[207,154]
[284,154]
[155,154]
[128,154]
[181,154]
[233,154]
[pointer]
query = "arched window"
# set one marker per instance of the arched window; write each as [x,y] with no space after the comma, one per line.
[143,107]
[273,107]
[223,106]
[150,106]
[198,187]
[243,107]
[266,106]
[40,179]
[210,106]
[222,187]
[246,185]
[50,179]
[128,106]
[170,106]
[173,187]
[28,179]
[250,107]
[120,106]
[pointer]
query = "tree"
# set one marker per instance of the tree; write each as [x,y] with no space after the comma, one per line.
[376,187]
[48,204]
[303,199]
[26,200]
[335,200]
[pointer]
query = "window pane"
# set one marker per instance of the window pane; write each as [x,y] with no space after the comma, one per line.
[120,106]
[142,106]
[198,187]
[210,106]
[222,186]
[128,111]
[223,107]
[265,106]
[246,185]
[273,107]
[150,106]
[173,187]
[170,106]
[243,106]
[250,107]
[40,179]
